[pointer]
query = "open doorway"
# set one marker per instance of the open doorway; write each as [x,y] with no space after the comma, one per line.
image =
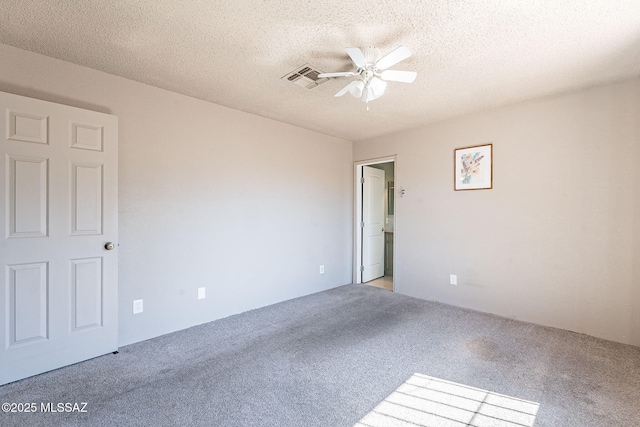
[375,219]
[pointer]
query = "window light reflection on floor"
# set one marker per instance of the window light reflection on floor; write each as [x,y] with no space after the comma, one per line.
[432,402]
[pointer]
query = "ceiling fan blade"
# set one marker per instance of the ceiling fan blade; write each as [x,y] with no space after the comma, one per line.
[399,76]
[357,57]
[339,74]
[399,54]
[347,88]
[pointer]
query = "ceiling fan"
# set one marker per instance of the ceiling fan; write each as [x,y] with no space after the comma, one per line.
[372,68]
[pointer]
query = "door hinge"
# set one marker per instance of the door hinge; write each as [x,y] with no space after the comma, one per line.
[362,224]
[361,268]
[362,180]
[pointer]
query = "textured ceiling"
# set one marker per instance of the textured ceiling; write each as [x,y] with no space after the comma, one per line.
[470,55]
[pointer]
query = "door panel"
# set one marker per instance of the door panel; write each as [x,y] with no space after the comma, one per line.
[86,204]
[28,320]
[373,223]
[86,288]
[58,207]
[27,127]
[86,136]
[27,204]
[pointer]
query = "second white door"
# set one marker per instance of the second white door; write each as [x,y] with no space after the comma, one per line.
[372,223]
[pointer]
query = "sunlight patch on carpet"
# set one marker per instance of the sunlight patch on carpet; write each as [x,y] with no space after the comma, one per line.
[432,402]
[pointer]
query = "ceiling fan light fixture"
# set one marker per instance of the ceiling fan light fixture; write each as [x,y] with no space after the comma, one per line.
[357,88]
[378,86]
[374,88]
[368,94]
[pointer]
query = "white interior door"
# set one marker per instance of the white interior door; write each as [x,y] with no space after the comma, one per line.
[373,223]
[58,209]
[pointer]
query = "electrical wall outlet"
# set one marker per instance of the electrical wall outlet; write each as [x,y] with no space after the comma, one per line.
[322,269]
[138,306]
[201,293]
[453,279]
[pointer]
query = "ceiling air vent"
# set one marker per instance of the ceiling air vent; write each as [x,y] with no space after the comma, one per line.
[305,76]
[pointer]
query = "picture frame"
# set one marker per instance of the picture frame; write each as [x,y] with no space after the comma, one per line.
[473,167]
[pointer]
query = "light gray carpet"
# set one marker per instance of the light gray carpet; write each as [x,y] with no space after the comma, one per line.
[328,359]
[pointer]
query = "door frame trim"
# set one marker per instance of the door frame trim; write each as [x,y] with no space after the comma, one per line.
[357,214]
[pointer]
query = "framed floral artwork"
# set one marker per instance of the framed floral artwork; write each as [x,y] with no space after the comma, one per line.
[473,167]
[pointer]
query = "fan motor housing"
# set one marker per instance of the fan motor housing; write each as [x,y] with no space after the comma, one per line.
[371,54]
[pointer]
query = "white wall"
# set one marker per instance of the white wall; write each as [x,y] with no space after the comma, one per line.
[209,196]
[556,241]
